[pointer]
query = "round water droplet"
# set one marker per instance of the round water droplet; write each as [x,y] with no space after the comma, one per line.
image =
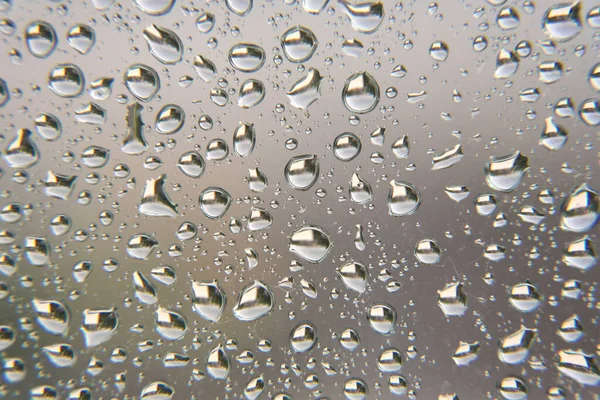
[403,199]
[214,202]
[95,156]
[170,324]
[303,337]
[40,38]
[140,246]
[298,44]
[244,138]
[99,325]
[239,7]
[205,22]
[360,93]
[191,164]
[142,81]
[252,93]
[346,146]
[247,57]
[365,17]
[524,297]
[382,318]
[354,276]
[301,172]
[170,119]
[512,388]
[508,18]
[66,80]
[439,51]
[389,360]
[48,127]
[428,252]
[580,210]
[157,390]
[81,38]
[154,7]
[355,389]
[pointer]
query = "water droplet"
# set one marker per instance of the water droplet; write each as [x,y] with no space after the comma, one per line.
[205,68]
[550,71]
[356,388]
[257,180]
[154,7]
[252,93]
[156,390]
[354,276]
[382,318]
[298,44]
[48,127]
[401,147]
[447,158]
[507,64]
[140,246]
[239,7]
[59,186]
[508,18]
[142,81]
[40,38]
[397,385]
[7,337]
[505,173]
[208,299]
[51,315]
[81,38]
[169,324]
[244,138]
[360,93]
[214,202]
[311,243]
[466,353]
[305,91]
[61,355]
[580,253]
[254,388]
[554,136]
[389,360]
[191,164]
[14,369]
[514,348]
[579,366]
[155,201]
[219,97]
[246,57]
[439,51]
[581,209]
[562,22]
[164,274]
[170,119]
[217,150]
[480,43]
[144,289]
[301,172]
[217,363]
[314,6]
[512,388]
[589,111]
[134,142]
[457,192]
[571,329]
[4,93]
[163,44]
[21,152]
[66,80]
[95,156]
[37,250]
[303,337]
[205,22]
[360,190]
[349,339]
[524,297]
[254,301]
[352,47]
[99,325]
[403,199]
[428,252]
[364,17]
[452,299]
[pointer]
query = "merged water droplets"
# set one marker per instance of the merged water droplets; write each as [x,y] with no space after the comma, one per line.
[306,91]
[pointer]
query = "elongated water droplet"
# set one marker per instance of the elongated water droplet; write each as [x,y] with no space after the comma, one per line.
[208,299]
[252,93]
[246,57]
[466,353]
[217,150]
[447,158]
[205,68]
[7,337]
[354,276]
[244,138]
[311,243]
[579,366]
[365,17]
[360,93]
[306,91]
[298,44]
[359,240]
[95,156]
[217,363]
[142,81]
[134,142]
[21,152]
[144,289]
[40,38]
[37,250]
[507,64]
[360,190]
[164,44]
[157,390]
[254,301]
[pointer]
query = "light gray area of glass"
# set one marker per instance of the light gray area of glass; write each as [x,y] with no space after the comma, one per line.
[489,121]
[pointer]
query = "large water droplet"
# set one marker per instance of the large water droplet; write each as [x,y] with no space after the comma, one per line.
[562,22]
[310,243]
[554,136]
[354,276]
[403,199]
[134,142]
[140,246]
[465,353]
[170,119]
[205,68]
[214,202]
[191,164]
[505,173]
[144,289]
[164,44]
[439,51]
[66,80]
[346,146]
[21,152]
[170,324]
[155,201]
[580,210]
[247,57]
[360,93]
[142,81]
[524,297]
[208,299]
[382,318]
[301,172]
[154,7]
[360,190]
[51,315]
[514,348]
[365,17]
[580,253]
[254,301]
[452,299]
[81,38]
[355,389]
[244,138]
[303,337]
[579,366]
[61,355]
[205,22]
[40,38]
[512,388]
[239,7]
[99,325]
[217,363]
[305,91]
[298,44]
[507,64]
[389,360]
[37,250]
[252,93]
